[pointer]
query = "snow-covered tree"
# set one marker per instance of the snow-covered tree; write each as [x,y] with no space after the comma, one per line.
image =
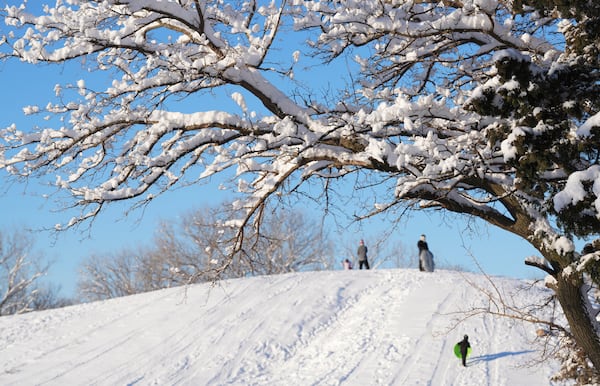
[487,108]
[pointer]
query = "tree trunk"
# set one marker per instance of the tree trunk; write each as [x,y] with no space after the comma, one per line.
[575,309]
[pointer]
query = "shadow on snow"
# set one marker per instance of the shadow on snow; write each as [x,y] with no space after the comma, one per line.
[492,357]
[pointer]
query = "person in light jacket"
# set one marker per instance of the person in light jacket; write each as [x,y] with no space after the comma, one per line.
[347,264]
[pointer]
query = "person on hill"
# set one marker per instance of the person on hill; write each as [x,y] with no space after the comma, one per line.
[362,255]
[347,264]
[464,349]
[425,256]
[422,245]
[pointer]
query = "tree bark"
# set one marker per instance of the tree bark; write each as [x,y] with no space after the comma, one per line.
[574,306]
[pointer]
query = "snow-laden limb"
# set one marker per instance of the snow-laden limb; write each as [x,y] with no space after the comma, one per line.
[166,50]
[579,185]
[591,123]
[587,260]
[414,118]
[541,263]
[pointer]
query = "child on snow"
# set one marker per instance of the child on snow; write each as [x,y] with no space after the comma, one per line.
[347,264]
[464,349]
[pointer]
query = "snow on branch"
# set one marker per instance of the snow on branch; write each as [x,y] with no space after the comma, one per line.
[405,113]
[541,263]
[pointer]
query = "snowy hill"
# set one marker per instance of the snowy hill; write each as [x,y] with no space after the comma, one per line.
[380,327]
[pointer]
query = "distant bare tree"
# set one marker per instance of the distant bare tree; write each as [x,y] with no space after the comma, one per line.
[19,274]
[49,297]
[105,277]
[187,251]
[288,242]
[400,256]
[193,249]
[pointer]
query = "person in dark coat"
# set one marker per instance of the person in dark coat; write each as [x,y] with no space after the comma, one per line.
[362,255]
[422,245]
[425,256]
[464,349]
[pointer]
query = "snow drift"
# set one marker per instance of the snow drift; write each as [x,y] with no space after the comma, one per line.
[379,327]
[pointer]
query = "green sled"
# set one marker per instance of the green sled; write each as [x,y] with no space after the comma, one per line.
[457,351]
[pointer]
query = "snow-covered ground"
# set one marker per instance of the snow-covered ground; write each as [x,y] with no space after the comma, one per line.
[379,327]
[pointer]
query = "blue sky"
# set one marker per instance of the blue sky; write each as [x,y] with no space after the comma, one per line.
[23,206]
